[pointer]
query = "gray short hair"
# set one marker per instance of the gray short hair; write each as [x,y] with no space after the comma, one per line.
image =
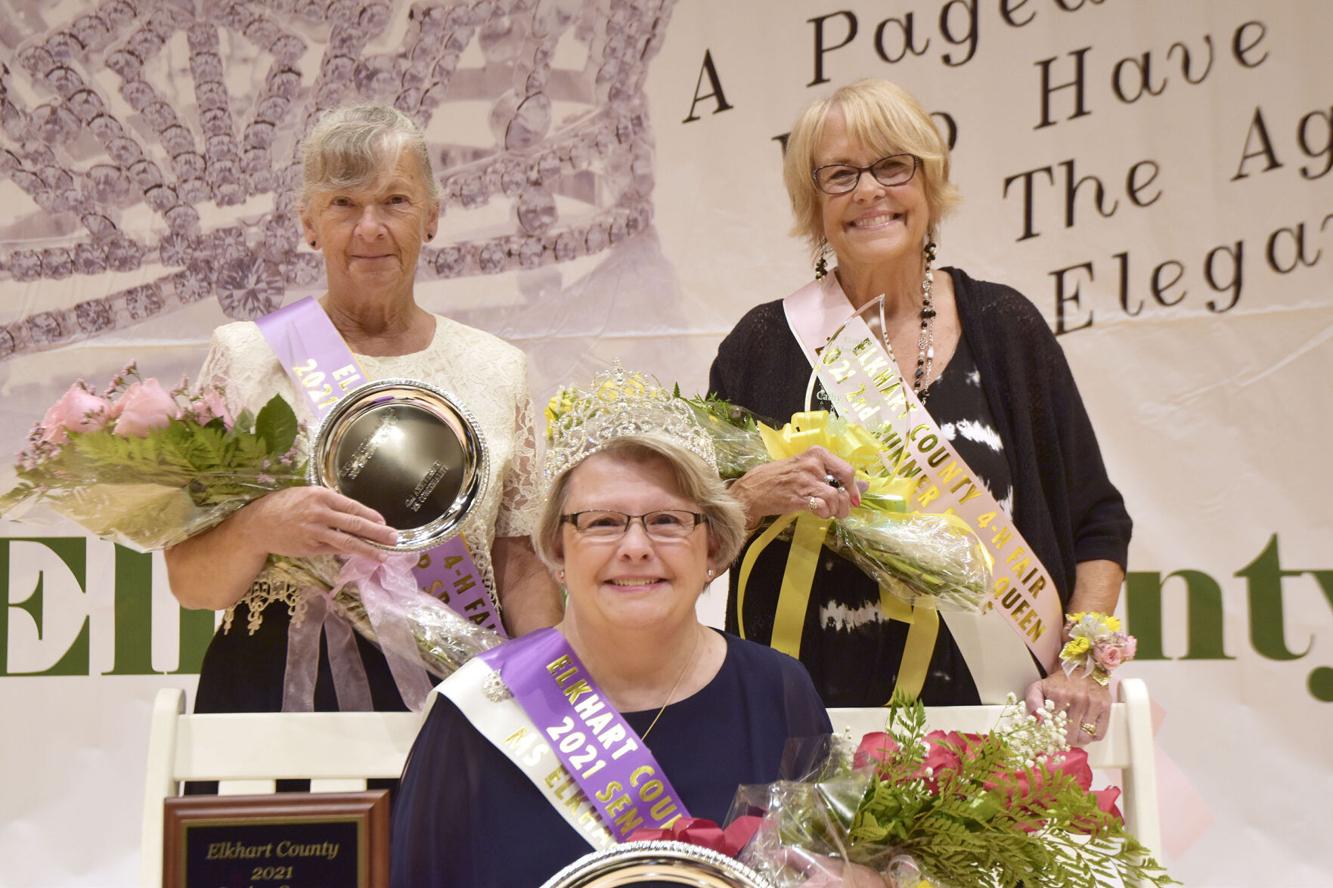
[724,517]
[354,146]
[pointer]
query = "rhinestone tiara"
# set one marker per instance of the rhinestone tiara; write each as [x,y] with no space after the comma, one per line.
[619,403]
[186,174]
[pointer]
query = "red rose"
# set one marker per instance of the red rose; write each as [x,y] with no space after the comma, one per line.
[876,748]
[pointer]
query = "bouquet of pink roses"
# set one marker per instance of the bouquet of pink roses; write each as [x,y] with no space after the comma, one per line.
[151,467]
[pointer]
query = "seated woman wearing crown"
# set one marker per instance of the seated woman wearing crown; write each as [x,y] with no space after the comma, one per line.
[629,713]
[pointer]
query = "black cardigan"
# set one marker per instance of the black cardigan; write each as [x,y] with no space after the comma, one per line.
[1065,505]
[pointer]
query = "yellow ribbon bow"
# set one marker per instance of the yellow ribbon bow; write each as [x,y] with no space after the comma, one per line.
[857,446]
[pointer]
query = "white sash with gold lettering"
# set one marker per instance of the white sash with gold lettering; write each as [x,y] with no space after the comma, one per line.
[501,720]
[1024,612]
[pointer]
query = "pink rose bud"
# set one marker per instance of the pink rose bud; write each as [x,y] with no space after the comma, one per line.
[209,405]
[1130,647]
[1108,655]
[78,410]
[144,406]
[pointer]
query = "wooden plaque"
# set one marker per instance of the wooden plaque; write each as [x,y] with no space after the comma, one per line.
[281,840]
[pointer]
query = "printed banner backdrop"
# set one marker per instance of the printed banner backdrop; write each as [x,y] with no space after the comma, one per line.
[1154,177]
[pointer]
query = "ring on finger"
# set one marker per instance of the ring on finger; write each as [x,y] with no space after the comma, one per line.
[813,503]
[832,482]
[1089,728]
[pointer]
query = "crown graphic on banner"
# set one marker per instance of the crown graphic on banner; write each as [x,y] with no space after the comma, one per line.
[619,403]
[162,140]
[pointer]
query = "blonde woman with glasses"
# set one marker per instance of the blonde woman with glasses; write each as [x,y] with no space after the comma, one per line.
[867,173]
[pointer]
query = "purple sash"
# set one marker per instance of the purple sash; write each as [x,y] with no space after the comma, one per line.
[307,344]
[321,366]
[448,573]
[312,352]
[867,387]
[600,752]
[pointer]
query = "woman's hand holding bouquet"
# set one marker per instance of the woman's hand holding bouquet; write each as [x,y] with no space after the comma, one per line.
[151,467]
[922,559]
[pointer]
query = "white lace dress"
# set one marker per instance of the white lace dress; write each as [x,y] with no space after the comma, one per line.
[486,374]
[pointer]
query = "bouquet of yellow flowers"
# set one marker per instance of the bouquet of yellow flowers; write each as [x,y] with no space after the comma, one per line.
[923,559]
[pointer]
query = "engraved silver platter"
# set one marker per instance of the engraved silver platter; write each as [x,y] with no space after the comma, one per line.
[408,450]
[674,863]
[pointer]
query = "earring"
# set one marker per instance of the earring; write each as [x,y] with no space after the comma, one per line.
[314,245]
[821,261]
[560,574]
[710,573]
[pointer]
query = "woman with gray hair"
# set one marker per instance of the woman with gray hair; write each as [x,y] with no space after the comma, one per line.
[867,173]
[369,203]
[629,714]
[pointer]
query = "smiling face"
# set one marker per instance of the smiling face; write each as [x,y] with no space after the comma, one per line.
[633,582]
[371,234]
[873,224]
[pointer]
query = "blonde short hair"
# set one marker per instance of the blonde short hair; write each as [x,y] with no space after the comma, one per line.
[886,119]
[355,146]
[723,516]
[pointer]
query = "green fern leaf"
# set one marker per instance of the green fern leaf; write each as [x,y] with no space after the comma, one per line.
[276,424]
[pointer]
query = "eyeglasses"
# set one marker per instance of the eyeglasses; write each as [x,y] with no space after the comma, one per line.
[662,525]
[840,178]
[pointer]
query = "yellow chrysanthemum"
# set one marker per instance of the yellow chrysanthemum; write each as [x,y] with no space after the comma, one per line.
[631,386]
[1076,647]
[560,404]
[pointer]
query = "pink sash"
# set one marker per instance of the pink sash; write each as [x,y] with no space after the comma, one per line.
[866,386]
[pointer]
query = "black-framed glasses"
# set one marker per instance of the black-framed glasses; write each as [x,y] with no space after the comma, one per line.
[840,178]
[664,524]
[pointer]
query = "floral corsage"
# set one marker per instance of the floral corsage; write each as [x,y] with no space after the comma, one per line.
[1095,646]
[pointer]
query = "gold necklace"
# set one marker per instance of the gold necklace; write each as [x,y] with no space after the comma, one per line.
[671,693]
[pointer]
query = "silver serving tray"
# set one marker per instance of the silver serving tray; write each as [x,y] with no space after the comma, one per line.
[408,450]
[675,863]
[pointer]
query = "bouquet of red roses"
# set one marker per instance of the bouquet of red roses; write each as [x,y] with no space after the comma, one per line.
[918,809]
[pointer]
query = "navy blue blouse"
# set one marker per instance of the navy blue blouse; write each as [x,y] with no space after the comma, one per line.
[465,816]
